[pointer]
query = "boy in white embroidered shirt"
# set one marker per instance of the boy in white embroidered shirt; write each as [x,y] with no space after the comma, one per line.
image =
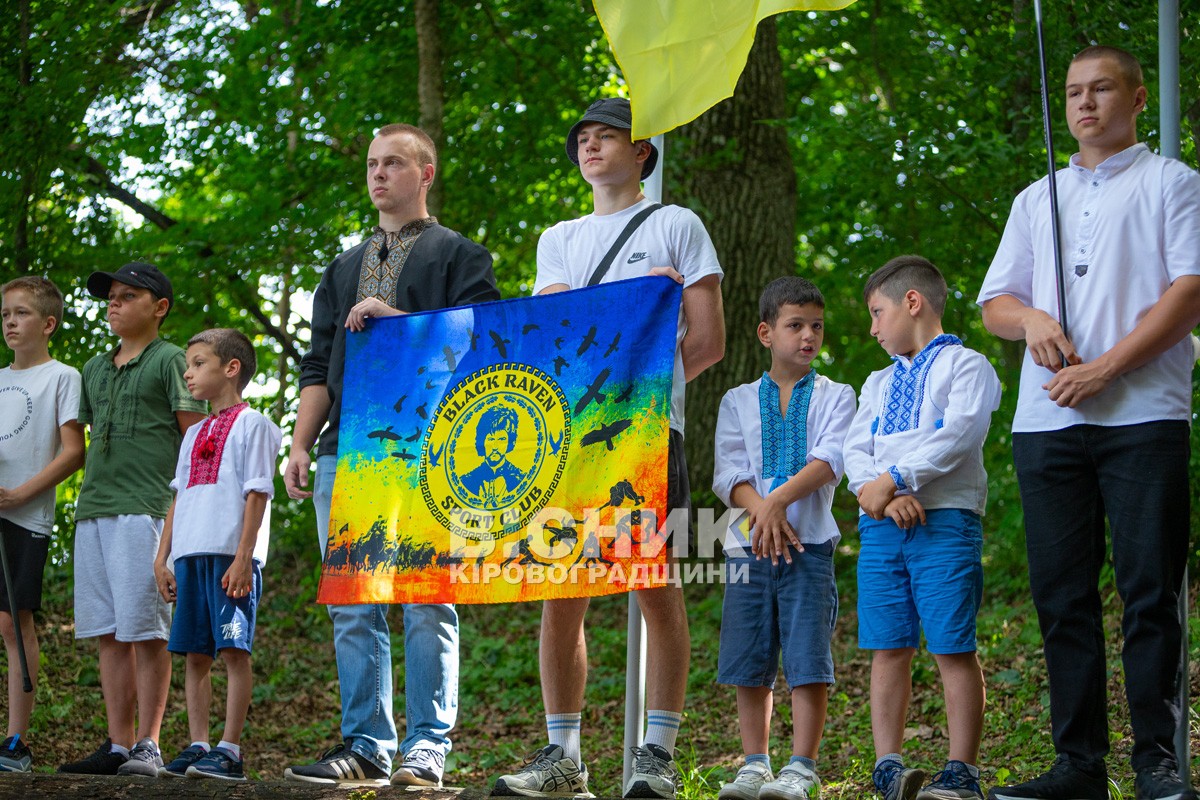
[215,538]
[778,455]
[914,459]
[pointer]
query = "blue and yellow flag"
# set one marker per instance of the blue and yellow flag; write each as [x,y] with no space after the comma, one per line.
[507,451]
[682,57]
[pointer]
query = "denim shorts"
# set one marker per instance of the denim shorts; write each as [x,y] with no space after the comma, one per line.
[929,577]
[206,618]
[785,608]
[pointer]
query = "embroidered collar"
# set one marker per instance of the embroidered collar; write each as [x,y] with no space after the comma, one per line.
[784,439]
[905,390]
[210,445]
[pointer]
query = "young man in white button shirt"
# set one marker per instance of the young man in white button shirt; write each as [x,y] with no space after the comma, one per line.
[1101,428]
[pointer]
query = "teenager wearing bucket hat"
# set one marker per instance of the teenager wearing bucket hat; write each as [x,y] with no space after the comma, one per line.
[670,241]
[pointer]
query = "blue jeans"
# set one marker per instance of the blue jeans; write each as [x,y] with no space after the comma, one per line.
[364,658]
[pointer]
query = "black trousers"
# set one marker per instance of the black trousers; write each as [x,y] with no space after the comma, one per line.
[1137,477]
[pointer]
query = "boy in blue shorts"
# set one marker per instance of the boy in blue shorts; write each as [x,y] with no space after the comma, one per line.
[41,443]
[778,455]
[914,459]
[214,544]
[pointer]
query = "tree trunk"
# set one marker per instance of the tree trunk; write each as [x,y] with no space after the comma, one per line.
[429,87]
[21,786]
[734,169]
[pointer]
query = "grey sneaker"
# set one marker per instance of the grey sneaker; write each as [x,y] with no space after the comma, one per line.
[746,784]
[896,782]
[546,773]
[144,759]
[955,782]
[795,782]
[15,756]
[654,773]
[422,766]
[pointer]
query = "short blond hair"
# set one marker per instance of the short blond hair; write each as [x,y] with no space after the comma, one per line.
[426,149]
[45,297]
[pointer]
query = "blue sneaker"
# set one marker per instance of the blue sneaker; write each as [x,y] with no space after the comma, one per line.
[955,782]
[179,767]
[896,782]
[220,764]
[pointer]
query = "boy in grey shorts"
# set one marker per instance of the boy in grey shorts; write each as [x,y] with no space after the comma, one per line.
[778,455]
[135,400]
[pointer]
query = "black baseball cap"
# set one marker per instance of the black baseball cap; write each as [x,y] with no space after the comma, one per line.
[135,273]
[615,113]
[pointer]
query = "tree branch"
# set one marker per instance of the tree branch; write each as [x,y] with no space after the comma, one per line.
[99,175]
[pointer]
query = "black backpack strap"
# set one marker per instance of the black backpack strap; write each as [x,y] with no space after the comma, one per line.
[606,262]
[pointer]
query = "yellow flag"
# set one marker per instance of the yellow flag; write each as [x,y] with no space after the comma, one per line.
[682,57]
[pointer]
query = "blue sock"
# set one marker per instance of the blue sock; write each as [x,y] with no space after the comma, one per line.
[807,763]
[759,758]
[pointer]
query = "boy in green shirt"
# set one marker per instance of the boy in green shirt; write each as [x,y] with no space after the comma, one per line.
[138,406]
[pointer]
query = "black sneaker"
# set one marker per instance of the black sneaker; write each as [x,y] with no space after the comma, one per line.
[339,765]
[179,766]
[102,762]
[14,755]
[1064,781]
[1162,782]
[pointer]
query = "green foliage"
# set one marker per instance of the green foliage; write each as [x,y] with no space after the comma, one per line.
[225,142]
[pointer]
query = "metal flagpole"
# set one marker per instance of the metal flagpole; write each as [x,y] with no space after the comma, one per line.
[635,642]
[1168,116]
[1051,170]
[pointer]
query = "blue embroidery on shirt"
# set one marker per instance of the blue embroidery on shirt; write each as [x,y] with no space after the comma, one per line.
[784,439]
[900,405]
[897,478]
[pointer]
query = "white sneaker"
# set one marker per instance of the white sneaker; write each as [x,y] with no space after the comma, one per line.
[746,784]
[654,773]
[546,773]
[795,782]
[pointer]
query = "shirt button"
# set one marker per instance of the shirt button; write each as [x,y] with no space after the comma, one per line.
[1087,213]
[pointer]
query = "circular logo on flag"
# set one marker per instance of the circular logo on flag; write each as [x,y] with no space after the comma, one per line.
[496,449]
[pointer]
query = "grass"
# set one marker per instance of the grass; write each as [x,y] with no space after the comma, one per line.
[295,713]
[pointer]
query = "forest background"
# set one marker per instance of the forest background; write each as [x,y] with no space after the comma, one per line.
[225,141]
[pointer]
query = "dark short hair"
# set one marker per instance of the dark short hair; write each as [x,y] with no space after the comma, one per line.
[228,344]
[1130,67]
[895,278]
[44,296]
[426,149]
[791,290]
[497,418]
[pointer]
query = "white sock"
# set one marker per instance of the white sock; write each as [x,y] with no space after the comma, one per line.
[563,730]
[121,751]
[202,745]
[662,727]
[232,748]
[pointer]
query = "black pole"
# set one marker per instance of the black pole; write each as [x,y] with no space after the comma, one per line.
[1050,172]
[27,684]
